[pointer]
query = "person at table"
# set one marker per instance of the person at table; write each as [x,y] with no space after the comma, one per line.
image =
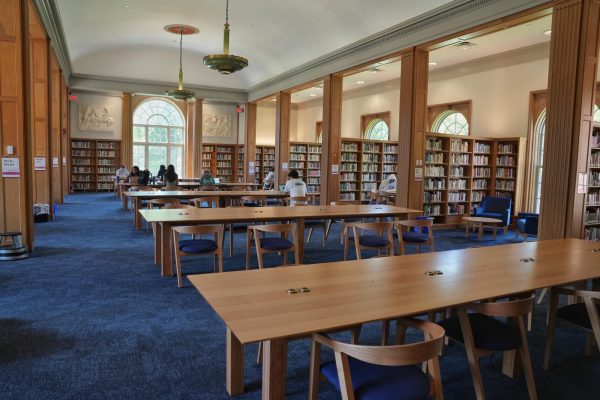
[295,186]
[134,174]
[121,174]
[269,181]
[207,179]
[170,177]
[161,172]
[388,184]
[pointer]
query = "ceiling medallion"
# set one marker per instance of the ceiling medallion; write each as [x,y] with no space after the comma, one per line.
[180,93]
[225,63]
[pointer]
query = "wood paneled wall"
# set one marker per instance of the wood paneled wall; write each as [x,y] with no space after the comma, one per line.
[250,142]
[127,131]
[332,137]
[195,157]
[15,206]
[55,165]
[282,135]
[64,136]
[571,84]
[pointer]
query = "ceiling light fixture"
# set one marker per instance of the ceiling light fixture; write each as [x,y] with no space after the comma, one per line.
[548,33]
[312,95]
[433,64]
[375,70]
[360,82]
[464,45]
[225,63]
[180,93]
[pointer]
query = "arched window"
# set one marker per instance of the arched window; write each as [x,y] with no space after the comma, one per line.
[319,132]
[452,122]
[158,135]
[596,113]
[377,129]
[539,132]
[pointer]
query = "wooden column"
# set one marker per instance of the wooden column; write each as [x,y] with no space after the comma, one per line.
[64,136]
[55,131]
[332,138]
[412,127]
[250,142]
[196,147]
[571,85]
[127,131]
[282,135]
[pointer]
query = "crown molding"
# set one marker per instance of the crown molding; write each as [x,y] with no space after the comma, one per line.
[445,20]
[103,84]
[50,18]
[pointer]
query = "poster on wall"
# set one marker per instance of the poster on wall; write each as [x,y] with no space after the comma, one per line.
[39,163]
[55,162]
[10,167]
[217,125]
[95,118]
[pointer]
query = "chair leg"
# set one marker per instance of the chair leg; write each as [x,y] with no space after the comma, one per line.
[552,306]
[315,371]
[260,259]
[526,361]
[178,267]
[259,353]
[345,241]
[248,241]
[230,240]
[385,331]
[285,258]
[327,228]
[310,231]
[400,333]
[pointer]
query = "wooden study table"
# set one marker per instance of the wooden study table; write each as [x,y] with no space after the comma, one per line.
[256,307]
[165,219]
[189,194]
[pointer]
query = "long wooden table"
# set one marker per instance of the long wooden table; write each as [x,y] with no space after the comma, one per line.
[256,307]
[188,194]
[165,219]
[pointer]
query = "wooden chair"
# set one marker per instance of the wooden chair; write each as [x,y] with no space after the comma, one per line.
[381,371]
[271,244]
[343,221]
[371,241]
[482,335]
[195,247]
[177,206]
[172,188]
[583,315]
[297,200]
[253,200]
[159,203]
[209,188]
[418,231]
[211,202]
[311,224]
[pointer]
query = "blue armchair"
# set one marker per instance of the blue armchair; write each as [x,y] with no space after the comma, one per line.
[527,224]
[495,207]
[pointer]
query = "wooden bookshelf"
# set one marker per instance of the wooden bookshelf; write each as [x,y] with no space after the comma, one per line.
[264,158]
[240,166]
[363,165]
[592,202]
[461,170]
[94,163]
[306,158]
[224,161]
[208,159]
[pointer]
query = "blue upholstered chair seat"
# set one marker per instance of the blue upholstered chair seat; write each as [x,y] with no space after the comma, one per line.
[273,202]
[489,333]
[495,207]
[521,225]
[415,237]
[275,243]
[371,241]
[490,215]
[314,222]
[379,382]
[251,205]
[576,314]
[197,245]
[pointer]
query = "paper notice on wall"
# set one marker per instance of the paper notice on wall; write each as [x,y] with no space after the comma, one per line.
[10,167]
[39,163]
[582,180]
[418,174]
[64,160]
[334,169]
[55,162]
[284,166]
[250,167]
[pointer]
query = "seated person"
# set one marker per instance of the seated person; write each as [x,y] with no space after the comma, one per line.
[207,179]
[388,184]
[161,173]
[269,181]
[295,186]
[121,174]
[170,177]
[135,173]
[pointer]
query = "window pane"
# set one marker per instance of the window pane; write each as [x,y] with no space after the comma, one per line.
[377,130]
[158,120]
[452,122]
[157,155]
[139,156]
[176,135]
[157,134]
[139,134]
[176,158]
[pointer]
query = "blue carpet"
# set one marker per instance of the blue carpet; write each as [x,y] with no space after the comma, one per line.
[89,317]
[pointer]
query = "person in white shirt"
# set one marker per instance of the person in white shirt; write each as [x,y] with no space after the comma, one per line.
[295,186]
[388,184]
[268,183]
[121,173]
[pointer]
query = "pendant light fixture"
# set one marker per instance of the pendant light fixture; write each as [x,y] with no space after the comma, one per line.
[225,63]
[180,93]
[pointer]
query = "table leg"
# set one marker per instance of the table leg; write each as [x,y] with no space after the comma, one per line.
[300,233]
[157,238]
[125,201]
[274,369]
[137,218]
[480,232]
[235,365]
[466,229]
[165,239]
[495,227]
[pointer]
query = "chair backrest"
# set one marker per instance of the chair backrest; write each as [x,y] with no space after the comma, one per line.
[420,225]
[256,199]
[342,203]
[496,204]
[176,206]
[198,229]
[162,202]
[508,308]
[382,228]
[209,188]
[297,200]
[208,200]
[134,179]
[278,228]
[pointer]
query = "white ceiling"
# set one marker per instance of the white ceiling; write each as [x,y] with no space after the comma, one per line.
[125,38]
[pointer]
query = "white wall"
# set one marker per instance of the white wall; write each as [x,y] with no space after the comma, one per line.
[265,124]
[114,102]
[307,115]
[222,109]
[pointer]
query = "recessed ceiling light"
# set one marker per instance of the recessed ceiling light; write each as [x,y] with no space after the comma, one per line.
[318,87]
[360,82]
[464,45]
[273,99]
[433,64]
[375,70]
[127,6]
[312,95]
[548,33]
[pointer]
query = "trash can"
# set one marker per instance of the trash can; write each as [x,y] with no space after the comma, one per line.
[41,212]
